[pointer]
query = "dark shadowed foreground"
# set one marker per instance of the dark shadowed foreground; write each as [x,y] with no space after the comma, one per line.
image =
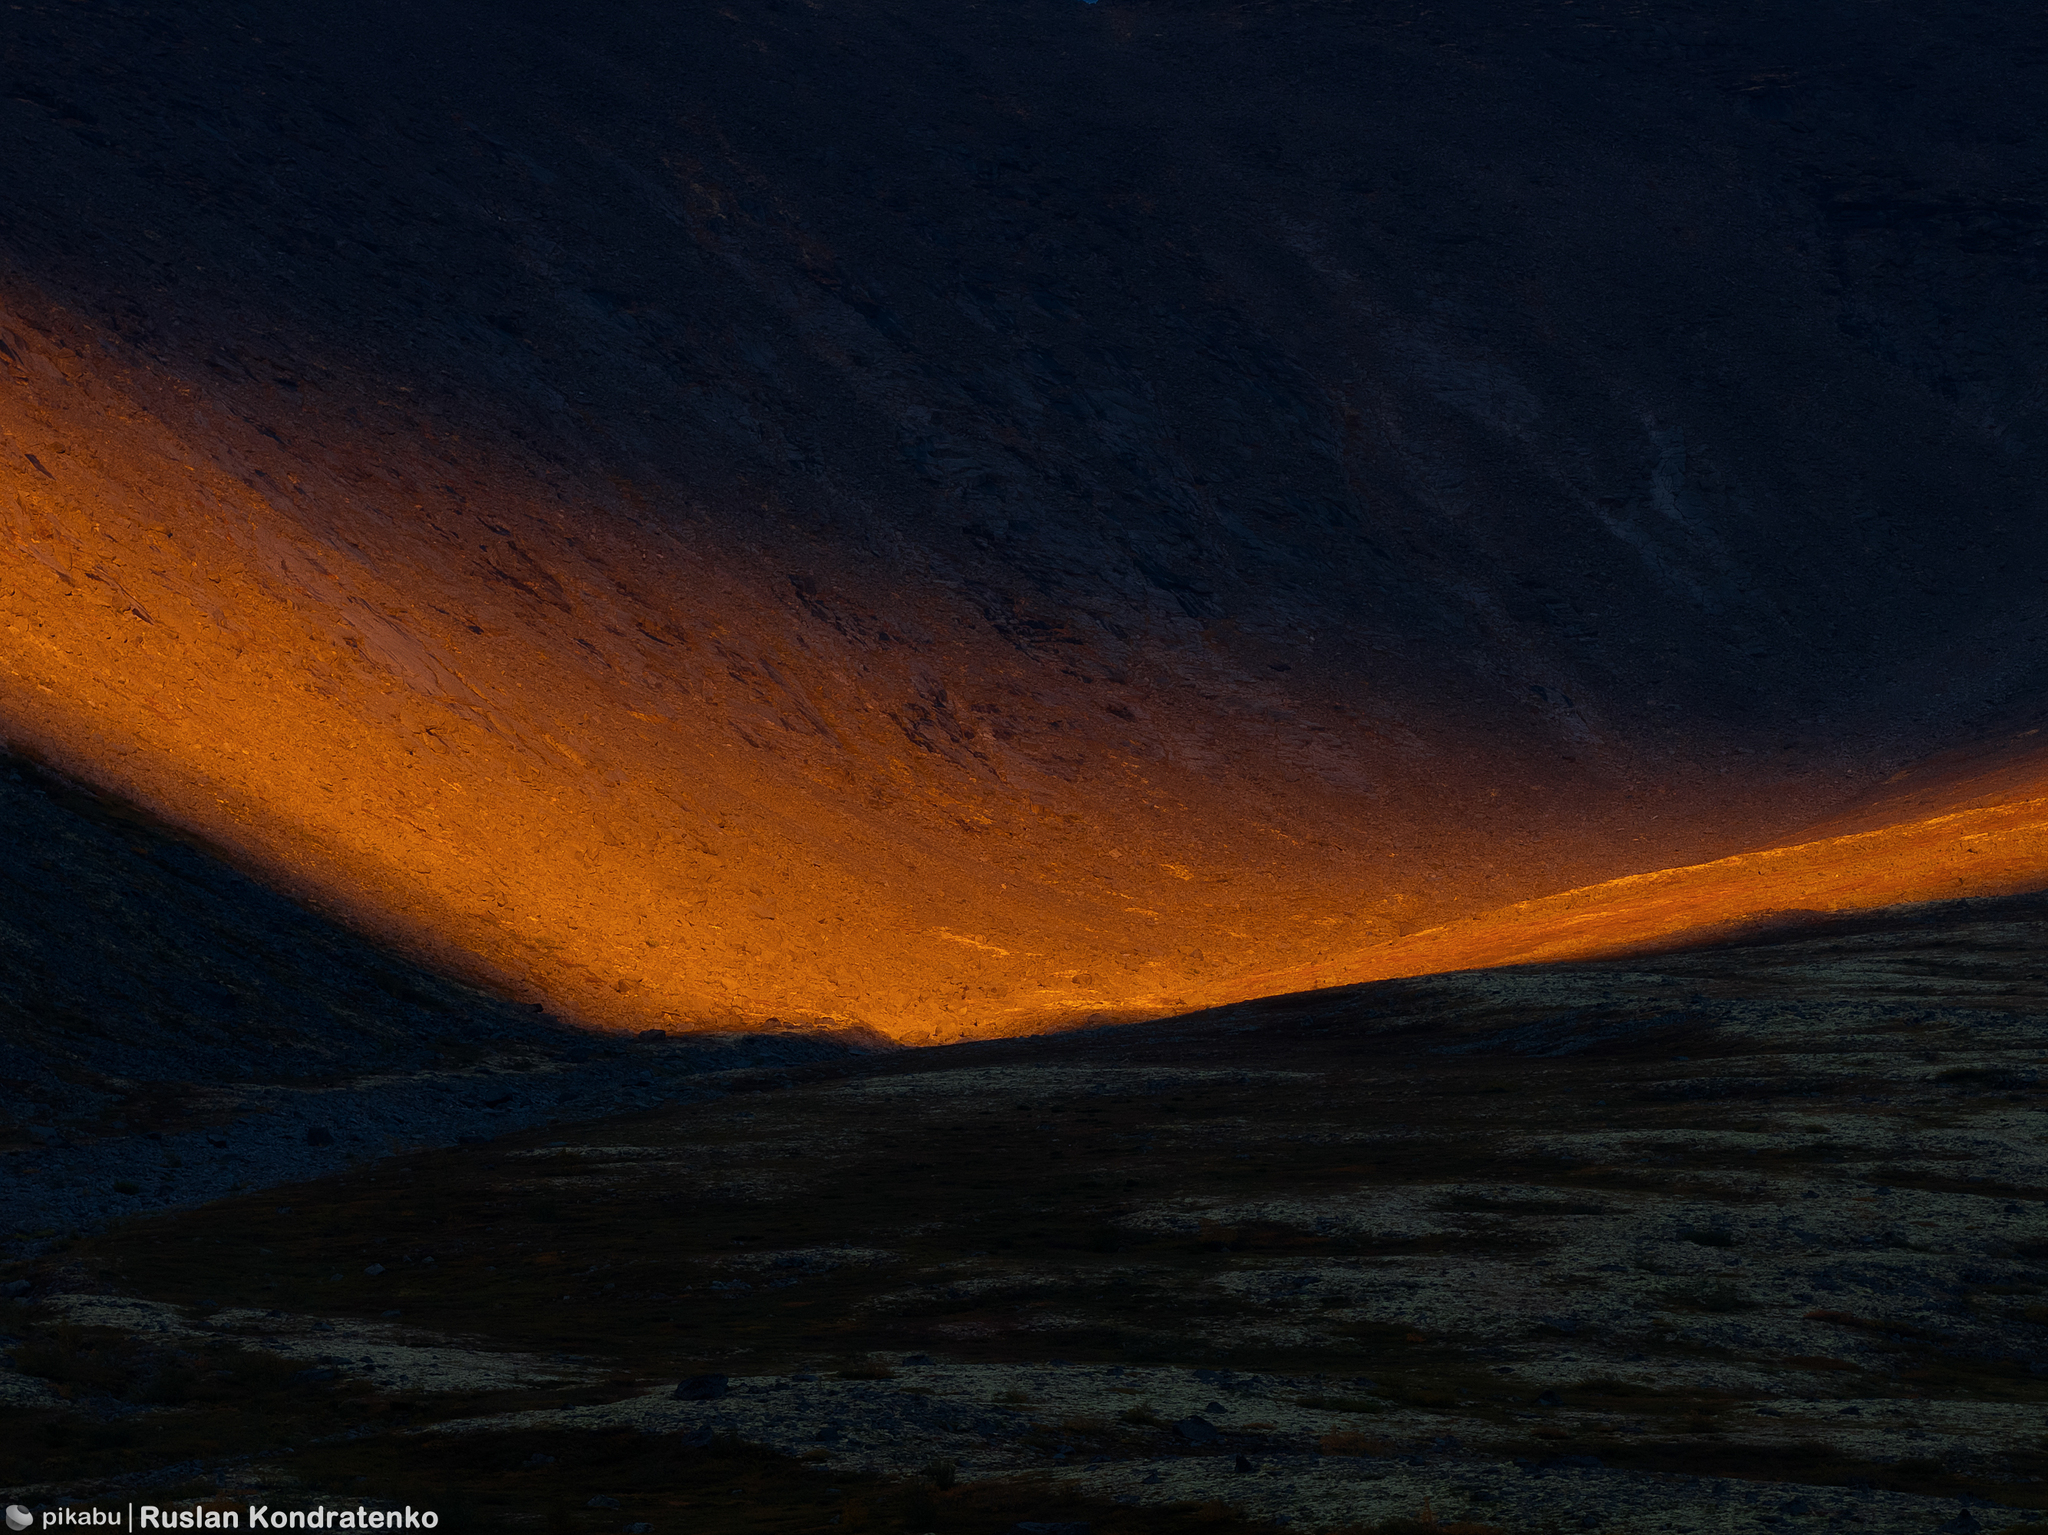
[1730,1236]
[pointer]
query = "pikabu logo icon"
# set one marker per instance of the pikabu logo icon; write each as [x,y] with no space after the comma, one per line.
[19,1518]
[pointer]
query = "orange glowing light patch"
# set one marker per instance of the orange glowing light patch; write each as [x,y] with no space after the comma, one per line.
[536,736]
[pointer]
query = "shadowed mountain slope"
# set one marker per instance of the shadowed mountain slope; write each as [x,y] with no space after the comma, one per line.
[154,1003]
[142,958]
[968,518]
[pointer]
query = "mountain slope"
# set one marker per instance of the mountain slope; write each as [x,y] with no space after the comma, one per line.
[969,519]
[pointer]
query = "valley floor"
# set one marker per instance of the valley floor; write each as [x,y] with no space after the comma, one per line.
[1740,1239]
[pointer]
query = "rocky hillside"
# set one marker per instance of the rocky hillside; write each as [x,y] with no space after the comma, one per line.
[974,517]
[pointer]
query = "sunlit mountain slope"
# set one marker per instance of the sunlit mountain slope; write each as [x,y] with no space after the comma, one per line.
[1976,849]
[967,520]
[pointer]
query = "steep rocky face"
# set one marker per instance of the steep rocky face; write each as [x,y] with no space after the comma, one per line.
[966,518]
